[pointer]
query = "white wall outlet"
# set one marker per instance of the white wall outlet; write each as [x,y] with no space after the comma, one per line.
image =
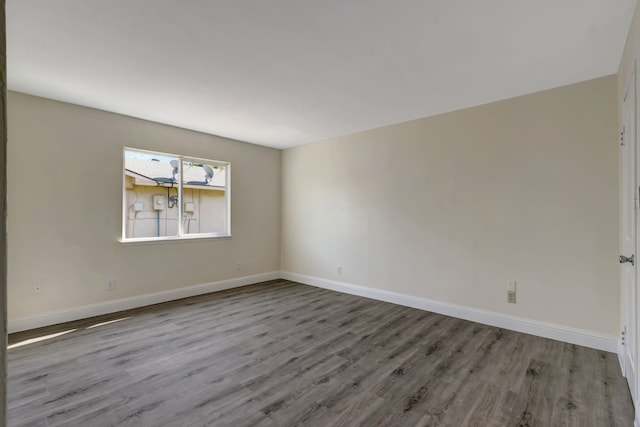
[38,289]
[339,270]
[238,266]
[511,291]
[111,285]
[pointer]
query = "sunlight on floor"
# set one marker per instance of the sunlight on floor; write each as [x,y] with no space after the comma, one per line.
[106,323]
[57,334]
[38,339]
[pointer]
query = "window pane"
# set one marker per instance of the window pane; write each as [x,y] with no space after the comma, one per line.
[151,194]
[204,209]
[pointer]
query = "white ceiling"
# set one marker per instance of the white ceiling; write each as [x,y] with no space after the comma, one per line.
[288,72]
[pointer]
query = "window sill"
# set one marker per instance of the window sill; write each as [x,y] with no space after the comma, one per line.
[181,239]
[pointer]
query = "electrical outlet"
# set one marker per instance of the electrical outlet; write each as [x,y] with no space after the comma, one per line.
[38,289]
[111,285]
[238,266]
[339,270]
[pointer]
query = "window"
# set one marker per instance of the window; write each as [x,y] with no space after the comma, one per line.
[167,196]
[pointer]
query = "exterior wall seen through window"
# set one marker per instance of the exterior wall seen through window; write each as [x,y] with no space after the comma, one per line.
[168,197]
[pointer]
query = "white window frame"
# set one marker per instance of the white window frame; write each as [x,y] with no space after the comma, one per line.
[181,236]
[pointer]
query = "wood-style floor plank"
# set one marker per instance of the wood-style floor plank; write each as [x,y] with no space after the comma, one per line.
[285,354]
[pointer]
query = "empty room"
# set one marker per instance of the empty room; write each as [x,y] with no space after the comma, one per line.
[338,213]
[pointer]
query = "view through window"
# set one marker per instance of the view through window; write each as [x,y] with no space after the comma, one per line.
[171,196]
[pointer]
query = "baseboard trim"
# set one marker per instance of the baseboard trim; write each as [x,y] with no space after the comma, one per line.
[534,327]
[86,311]
[620,353]
[519,324]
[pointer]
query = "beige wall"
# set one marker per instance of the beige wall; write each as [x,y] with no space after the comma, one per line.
[453,206]
[65,209]
[448,207]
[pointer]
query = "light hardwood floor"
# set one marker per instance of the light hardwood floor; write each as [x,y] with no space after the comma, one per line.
[285,354]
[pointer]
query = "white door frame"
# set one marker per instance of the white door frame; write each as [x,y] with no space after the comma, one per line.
[629,206]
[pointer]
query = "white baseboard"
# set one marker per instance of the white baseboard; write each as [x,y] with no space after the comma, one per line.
[519,324]
[620,353]
[86,311]
[534,327]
